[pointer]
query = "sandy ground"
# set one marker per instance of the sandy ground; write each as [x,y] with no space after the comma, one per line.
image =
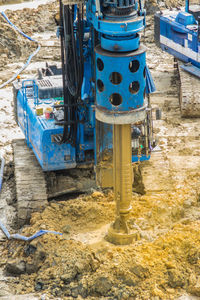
[163,262]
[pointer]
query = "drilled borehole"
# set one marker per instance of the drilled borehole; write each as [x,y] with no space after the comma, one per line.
[134,66]
[115,99]
[134,87]
[115,78]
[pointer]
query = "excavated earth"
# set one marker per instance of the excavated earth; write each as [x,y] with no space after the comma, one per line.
[164,260]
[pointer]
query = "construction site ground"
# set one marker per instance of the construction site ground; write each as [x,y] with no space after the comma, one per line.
[164,260]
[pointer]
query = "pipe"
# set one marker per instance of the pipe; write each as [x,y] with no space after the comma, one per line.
[30,57]
[16,28]
[19,236]
[25,238]
[187,4]
[119,232]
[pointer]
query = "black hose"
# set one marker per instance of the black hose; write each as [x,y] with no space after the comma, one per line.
[72,70]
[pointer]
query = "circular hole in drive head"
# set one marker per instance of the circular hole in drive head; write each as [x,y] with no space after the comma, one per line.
[100,64]
[134,65]
[134,87]
[100,85]
[115,99]
[115,78]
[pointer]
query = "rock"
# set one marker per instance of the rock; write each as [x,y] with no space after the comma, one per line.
[194,287]
[82,291]
[138,185]
[130,281]
[75,292]
[30,249]
[68,277]
[176,278]
[31,268]
[39,286]
[16,268]
[188,203]
[97,194]
[102,286]
[66,229]
[139,271]
[40,256]
[41,28]
[193,257]
[158,293]
[79,267]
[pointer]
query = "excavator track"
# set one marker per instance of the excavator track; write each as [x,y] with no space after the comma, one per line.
[34,187]
[30,181]
[189,94]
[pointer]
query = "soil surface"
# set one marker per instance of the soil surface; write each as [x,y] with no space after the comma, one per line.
[164,260]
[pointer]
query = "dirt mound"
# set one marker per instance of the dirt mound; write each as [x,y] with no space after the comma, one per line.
[162,262]
[13,46]
[35,20]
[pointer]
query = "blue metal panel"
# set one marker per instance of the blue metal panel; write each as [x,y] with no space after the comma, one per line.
[192,70]
[184,18]
[40,132]
[179,36]
[127,43]
[142,158]
[131,99]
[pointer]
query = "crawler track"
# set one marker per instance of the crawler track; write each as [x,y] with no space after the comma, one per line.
[189,95]
[30,182]
[34,187]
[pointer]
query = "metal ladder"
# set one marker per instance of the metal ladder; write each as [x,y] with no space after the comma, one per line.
[30,91]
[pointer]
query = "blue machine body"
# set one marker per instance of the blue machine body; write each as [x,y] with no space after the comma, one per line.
[39,132]
[119,50]
[178,33]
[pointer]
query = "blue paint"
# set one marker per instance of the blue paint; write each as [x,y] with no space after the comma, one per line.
[191,69]
[116,34]
[120,64]
[181,31]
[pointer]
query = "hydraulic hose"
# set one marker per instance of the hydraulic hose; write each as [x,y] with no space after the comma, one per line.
[16,28]
[19,236]
[30,57]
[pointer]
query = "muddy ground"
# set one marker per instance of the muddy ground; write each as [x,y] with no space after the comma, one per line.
[164,260]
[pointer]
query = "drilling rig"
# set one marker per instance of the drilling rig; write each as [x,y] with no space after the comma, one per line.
[93,108]
[177,32]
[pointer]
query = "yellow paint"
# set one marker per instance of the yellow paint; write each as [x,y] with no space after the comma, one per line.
[122,179]
[39,111]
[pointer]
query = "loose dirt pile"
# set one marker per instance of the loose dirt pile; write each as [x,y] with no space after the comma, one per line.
[35,20]
[163,262]
[13,46]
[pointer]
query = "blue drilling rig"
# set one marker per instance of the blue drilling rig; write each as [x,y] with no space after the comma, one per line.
[67,114]
[177,32]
